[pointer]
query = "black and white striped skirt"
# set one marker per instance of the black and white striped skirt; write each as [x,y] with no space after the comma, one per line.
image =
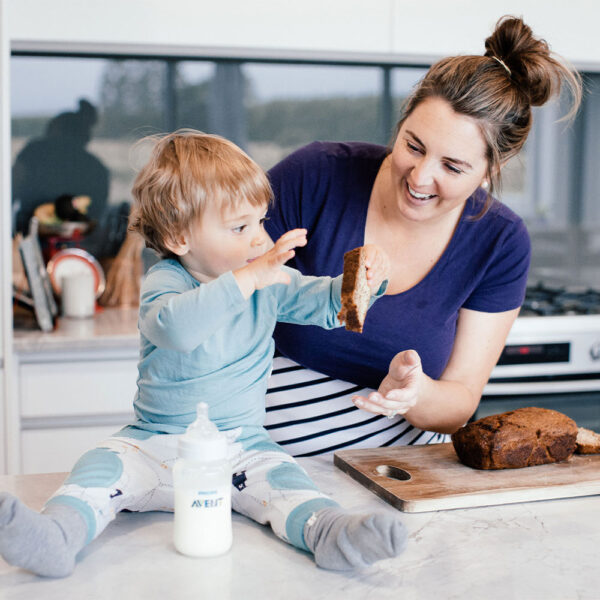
[309,413]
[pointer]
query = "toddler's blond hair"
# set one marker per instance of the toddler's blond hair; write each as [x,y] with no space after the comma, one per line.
[186,171]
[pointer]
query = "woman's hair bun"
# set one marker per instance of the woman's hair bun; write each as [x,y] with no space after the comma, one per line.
[532,67]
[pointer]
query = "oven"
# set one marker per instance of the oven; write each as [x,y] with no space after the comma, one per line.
[552,357]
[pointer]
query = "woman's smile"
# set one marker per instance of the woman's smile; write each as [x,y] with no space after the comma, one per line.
[420,198]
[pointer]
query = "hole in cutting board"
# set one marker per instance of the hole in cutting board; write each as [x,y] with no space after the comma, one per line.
[393,472]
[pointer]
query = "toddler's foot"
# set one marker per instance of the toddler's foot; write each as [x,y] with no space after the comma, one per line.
[45,544]
[343,541]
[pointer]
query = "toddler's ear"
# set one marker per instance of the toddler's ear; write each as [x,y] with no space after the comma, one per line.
[178,245]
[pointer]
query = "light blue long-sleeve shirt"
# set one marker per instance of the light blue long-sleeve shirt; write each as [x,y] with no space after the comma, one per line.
[205,342]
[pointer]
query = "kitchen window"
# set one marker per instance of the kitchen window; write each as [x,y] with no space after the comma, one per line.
[271,108]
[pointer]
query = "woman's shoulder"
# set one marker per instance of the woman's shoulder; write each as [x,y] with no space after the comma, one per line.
[498,215]
[500,231]
[327,153]
[501,211]
[514,230]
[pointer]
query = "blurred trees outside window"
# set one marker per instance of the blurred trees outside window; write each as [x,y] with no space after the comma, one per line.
[270,108]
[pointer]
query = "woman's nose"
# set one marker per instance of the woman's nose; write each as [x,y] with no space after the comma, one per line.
[422,173]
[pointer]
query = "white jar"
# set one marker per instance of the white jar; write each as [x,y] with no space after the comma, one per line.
[78,295]
[202,487]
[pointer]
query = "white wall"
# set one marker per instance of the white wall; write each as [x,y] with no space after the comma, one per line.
[391,29]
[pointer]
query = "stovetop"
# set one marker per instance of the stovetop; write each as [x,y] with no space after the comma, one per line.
[548,300]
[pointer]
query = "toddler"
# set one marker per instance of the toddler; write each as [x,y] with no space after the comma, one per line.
[207,314]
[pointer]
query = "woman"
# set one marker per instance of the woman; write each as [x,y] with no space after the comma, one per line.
[460,259]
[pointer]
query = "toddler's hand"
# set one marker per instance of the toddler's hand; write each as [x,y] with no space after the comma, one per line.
[378,266]
[266,269]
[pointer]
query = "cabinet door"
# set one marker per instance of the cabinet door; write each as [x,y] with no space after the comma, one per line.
[57,450]
[68,408]
[77,388]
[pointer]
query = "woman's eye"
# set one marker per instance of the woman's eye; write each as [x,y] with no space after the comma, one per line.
[413,148]
[452,168]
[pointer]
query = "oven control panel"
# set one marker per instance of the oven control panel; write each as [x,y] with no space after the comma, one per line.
[595,351]
[549,354]
[523,354]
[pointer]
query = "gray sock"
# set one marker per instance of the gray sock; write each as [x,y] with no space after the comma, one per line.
[44,543]
[342,541]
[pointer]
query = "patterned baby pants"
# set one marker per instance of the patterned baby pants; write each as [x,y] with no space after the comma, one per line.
[132,470]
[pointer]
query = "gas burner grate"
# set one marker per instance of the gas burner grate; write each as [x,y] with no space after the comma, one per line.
[545,300]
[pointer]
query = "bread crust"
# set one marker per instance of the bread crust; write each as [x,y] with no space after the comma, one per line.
[355,291]
[519,438]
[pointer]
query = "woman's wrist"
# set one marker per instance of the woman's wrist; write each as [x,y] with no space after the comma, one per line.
[442,406]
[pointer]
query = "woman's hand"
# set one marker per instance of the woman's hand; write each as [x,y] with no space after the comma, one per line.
[399,390]
[266,269]
[378,266]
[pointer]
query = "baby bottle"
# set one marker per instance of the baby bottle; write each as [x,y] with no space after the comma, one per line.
[202,485]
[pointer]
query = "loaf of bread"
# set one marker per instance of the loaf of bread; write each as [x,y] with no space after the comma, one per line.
[519,438]
[588,441]
[355,291]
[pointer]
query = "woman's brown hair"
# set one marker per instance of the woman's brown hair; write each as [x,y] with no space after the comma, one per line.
[498,89]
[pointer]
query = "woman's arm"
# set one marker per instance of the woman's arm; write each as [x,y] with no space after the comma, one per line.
[444,405]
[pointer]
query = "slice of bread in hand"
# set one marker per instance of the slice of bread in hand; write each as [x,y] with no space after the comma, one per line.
[588,441]
[355,291]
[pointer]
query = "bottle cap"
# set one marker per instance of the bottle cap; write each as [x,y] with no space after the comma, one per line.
[202,440]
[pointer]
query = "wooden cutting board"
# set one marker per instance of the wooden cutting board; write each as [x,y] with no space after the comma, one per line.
[436,480]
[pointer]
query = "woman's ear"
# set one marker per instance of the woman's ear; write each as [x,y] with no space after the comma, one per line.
[178,245]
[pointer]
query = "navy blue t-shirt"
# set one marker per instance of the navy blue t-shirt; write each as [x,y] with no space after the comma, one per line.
[325,187]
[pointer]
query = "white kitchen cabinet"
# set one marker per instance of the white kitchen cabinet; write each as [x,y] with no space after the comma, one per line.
[57,449]
[71,388]
[66,407]
[57,389]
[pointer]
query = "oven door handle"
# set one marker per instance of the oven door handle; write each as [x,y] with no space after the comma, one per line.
[541,387]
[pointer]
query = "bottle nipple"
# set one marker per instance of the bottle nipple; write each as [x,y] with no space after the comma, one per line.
[202,439]
[202,426]
[202,411]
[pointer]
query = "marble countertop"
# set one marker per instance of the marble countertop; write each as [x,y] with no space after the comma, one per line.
[108,328]
[545,550]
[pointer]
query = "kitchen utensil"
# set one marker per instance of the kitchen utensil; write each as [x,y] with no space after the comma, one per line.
[74,260]
[44,306]
[430,477]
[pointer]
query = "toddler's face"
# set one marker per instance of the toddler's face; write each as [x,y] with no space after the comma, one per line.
[225,240]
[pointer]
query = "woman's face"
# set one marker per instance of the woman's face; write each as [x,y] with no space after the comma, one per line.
[437,162]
